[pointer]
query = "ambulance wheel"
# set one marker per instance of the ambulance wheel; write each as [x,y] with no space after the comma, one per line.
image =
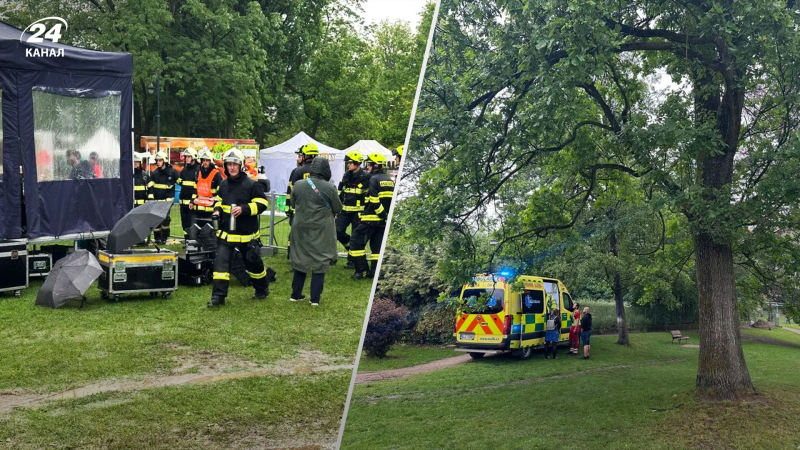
[17,294]
[475,355]
[166,295]
[525,353]
[116,299]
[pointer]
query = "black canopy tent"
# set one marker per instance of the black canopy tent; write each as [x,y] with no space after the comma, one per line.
[56,98]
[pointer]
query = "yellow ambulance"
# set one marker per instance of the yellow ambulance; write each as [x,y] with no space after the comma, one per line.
[513,316]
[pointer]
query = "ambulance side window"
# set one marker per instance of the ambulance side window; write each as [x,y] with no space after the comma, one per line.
[568,302]
[532,302]
[552,289]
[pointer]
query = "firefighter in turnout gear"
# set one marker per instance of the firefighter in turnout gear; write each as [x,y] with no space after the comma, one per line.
[305,155]
[352,191]
[161,188]
[241,200]
[208,180]
[373,219]
[398,155]
[188,184]
[140,179]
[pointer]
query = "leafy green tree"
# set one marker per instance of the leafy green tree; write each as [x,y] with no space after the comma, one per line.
[245,68]
[566,86]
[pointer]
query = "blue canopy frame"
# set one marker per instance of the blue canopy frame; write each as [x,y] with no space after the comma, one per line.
[57,208]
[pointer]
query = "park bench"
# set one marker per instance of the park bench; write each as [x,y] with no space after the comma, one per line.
[676,334]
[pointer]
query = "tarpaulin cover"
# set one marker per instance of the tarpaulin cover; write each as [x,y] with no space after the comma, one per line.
[74,88]
[279,160]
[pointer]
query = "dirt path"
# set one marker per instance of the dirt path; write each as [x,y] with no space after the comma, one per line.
[307,362]
[792,330]
[770,341]
[382,375]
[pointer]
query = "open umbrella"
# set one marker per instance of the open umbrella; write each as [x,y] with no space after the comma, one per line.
[69,278]
[136,226]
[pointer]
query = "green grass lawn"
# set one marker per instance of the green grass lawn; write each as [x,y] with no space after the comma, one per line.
[402,355]
[47,351]
[605,402]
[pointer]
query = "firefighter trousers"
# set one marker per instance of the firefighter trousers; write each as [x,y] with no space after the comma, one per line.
[366,232]
[161,232]
[344,220]
[222,264]
[187,218]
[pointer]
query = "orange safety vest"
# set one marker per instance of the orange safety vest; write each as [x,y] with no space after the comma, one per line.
[204,195]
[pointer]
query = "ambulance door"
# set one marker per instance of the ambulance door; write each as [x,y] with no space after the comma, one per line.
[532,323]
[566,315]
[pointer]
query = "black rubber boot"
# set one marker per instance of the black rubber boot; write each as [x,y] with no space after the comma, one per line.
[359,276]
[216,301]
[261,294]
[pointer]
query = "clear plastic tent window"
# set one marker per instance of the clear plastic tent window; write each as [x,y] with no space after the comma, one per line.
[76,133]
[1,132]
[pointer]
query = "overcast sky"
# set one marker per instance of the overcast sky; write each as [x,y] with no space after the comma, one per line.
[405,10]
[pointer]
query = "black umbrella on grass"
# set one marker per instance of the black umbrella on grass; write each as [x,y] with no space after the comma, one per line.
[137,225]
[69,278]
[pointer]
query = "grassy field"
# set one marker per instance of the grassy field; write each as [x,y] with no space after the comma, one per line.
[624,397]
[402,355]
[149,340]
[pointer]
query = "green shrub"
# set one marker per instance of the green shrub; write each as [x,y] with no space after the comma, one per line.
[435,325]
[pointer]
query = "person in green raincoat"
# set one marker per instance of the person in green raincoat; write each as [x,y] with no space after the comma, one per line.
[316,202]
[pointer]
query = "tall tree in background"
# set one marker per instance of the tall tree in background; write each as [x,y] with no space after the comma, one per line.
[244,68]
[552,80]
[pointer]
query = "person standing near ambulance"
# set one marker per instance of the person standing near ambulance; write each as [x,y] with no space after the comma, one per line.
[241,201]
[208,180]
[188,183]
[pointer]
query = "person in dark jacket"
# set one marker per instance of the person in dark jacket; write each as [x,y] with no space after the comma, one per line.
[305,155]
[140,179]
[314,251]
[586,331]
[161,188]
[552,332]
[81,170]
[188,183]
[373,219]
[353,189]
[241,201]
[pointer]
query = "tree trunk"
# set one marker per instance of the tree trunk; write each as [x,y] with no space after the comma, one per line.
[622,326]
[722,370]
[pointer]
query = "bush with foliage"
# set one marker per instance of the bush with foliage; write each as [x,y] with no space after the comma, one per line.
[410,278]
[386,323]
[435,324]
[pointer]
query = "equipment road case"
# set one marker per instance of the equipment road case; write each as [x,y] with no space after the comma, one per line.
[138,271]
[195,268]
[39,264]
[13,265]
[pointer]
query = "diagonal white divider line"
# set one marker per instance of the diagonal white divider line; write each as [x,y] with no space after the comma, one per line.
[388,224]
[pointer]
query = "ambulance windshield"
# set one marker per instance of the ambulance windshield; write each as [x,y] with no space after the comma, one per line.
[486,301]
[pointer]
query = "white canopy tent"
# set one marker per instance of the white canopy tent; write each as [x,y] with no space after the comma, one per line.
[279,160]
[365,147]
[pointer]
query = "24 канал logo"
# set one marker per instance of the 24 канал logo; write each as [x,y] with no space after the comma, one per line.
[39,31]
